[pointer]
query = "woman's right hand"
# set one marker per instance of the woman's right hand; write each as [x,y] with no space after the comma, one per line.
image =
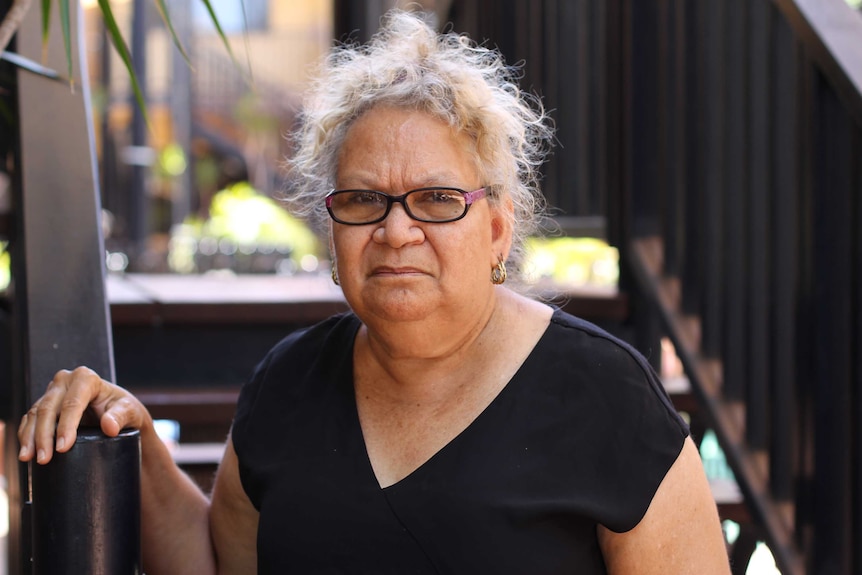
[74,397]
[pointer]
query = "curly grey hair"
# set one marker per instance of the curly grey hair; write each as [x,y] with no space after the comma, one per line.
[408,64]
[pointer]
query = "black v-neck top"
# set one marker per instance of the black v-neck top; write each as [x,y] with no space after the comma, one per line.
[582,435]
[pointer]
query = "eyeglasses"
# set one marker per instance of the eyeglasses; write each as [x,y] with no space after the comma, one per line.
[433,205]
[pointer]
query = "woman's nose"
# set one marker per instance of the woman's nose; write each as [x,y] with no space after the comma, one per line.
[399,228]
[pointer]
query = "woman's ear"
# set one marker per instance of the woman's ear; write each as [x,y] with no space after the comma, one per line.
[502,222]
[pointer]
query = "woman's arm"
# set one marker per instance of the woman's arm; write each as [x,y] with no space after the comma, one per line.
[680,533]
[233,520]
[174,512]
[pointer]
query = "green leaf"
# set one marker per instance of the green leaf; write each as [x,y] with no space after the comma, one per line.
[65,24]
[220,31]
[123,51]
[46,28]
[245,38]
[163,12]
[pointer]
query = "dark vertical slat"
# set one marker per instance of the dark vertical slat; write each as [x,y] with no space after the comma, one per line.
[832,393]
[732,194]
[666,197]
[598,109]
[759,226]
[664,112]
[857,350]
[783,123]
[535,46]
[617,203]
[555,57]
[572,118]
[672,104]
[805,324]
[581,132]
[349,20]
[691,102]
[643,157]
[578,172]
[713,181]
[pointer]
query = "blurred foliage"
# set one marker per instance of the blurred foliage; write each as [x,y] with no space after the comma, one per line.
[5,266]
[246,232]
[119,42]
[574,262]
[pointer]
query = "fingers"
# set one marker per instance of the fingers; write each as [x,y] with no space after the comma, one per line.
[36,431]
[122,412]
[81,388]
[59,411]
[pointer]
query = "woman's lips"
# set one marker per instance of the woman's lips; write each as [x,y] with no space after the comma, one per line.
[399,271]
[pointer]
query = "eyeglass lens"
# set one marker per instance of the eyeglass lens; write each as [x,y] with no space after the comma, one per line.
[366,206]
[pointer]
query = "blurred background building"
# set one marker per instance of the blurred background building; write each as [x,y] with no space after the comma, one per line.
[197,189]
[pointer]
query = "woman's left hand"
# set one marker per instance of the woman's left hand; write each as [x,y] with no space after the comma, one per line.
[74,397]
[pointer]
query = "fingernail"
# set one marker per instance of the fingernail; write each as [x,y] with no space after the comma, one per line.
[61,443]
[24,451]
[40,455]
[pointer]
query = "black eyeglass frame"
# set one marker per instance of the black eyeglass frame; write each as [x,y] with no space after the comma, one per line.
[469,199]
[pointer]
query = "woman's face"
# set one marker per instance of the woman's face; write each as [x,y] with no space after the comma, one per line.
[401,269]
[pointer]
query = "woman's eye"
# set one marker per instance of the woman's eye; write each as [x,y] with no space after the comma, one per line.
[439,197]
[366,198]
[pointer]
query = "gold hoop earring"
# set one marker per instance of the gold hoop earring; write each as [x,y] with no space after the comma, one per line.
[498,274]
[334,271]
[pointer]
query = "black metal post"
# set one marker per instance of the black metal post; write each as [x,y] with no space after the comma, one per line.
[59,303]
[86,516]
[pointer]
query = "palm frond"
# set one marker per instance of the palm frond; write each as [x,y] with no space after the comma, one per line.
[245,37]
[220,31]
[119,42]
[123,51]
[163,12]
[46,28]
[65,24]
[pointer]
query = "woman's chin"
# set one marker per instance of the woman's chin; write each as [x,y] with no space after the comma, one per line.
[399,305]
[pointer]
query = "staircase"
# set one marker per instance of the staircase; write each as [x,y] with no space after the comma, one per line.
[741,226]
[719,142]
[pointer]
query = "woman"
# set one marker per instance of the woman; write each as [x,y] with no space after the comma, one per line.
[448,424]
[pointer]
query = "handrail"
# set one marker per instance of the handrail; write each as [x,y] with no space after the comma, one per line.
[832,33]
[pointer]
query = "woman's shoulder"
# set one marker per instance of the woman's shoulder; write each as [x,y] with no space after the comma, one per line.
[582,356]
[583,339]
[294,366]
[298,352]
[330,331]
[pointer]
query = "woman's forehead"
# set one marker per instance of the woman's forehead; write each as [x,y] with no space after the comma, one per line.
[409,146]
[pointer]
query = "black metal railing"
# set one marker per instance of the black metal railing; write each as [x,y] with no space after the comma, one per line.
[744,226]
[718,142]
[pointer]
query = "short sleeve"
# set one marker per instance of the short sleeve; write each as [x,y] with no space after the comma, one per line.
[634,433]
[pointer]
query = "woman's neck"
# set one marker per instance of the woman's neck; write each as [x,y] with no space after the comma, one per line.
[433,358]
